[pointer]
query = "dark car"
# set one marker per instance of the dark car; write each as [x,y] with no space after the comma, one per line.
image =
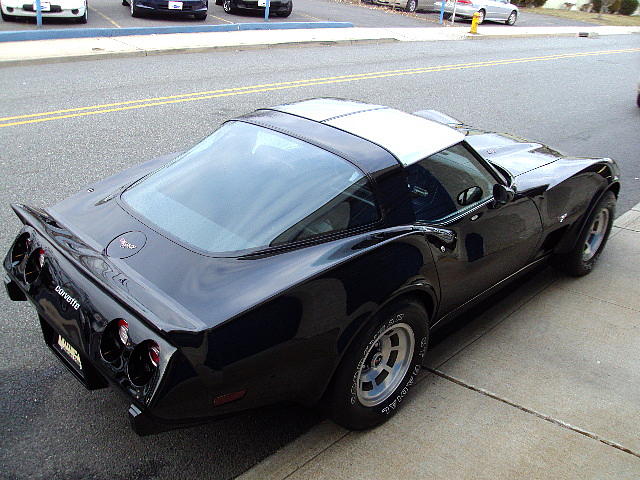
[280,8]
[301,253]
[197,8]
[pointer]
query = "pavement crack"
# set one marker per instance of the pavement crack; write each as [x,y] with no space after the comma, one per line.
[569,289]
[535,413]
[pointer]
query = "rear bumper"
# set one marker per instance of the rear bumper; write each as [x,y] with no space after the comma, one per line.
[61,10]
[74,314]
[274,6]
[188,6]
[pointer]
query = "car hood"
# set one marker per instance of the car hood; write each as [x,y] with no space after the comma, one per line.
[514,154]
[534,167]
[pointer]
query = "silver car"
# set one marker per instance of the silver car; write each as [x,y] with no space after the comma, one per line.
[493,10]
[407,5]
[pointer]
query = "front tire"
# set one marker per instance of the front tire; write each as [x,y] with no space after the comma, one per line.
[377,372]
[228,7]
[481,18]
[135,11]
[589,246]
[411,6]
[287,12]
[84,18]
[512,18]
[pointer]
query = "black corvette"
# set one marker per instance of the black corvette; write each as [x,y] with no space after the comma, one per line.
[300,253]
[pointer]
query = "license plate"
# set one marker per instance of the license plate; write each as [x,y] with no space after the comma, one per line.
[262,3]
[44,7]
[69,351]
[175,5]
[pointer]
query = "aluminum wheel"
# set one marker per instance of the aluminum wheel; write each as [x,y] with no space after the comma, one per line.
[596,235]
[411,6]
[386,363]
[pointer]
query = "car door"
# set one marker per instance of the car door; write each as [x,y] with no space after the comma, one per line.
[502,9]
[475,243]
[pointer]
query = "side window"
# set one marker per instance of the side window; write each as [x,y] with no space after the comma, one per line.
[446,182]
[353,207]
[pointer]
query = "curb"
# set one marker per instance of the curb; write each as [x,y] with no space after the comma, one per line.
[201,49]
[479,36]
[57,34]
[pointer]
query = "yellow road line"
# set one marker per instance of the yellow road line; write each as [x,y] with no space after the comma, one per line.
[189,97]
[220,18]
[108,19]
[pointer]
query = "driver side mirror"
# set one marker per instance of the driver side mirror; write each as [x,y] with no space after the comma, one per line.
[502,194]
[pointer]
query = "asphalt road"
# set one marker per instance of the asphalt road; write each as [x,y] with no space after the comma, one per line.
[111,13]
[582,104]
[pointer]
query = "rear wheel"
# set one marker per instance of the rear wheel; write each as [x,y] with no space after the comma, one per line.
[411,6]
[377,372]
[228,7]
[593,238]
[512,18]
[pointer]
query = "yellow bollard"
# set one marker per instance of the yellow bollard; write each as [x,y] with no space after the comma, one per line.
[474,23]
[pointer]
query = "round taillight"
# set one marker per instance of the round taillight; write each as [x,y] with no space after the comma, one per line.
[34,265]
[154,354]
[123,331]
[111,345]
[20,248]
[143,363]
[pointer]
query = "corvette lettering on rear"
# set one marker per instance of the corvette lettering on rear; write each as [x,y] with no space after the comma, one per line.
[68,298]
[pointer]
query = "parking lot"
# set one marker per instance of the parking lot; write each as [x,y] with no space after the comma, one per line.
[111,13]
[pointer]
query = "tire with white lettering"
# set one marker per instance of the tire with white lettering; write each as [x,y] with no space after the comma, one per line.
[380,367]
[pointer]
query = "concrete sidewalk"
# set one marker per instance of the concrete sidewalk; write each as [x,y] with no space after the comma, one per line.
[45,51]
[543,385]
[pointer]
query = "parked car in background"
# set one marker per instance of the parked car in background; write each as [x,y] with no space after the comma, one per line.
[492,10]
[407,5]
[279,8]
[197,8]
[73,9]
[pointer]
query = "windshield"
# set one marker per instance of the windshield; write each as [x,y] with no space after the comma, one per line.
[246,186]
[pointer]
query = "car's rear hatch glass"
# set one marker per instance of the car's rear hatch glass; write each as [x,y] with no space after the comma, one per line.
[246,186]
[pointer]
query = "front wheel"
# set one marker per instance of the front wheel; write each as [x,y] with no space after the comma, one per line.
[481,17]
[512,18]
[377,372]
[411,6]
[135,11]
[287,12]
[84,18]
[228,7]
[593,238]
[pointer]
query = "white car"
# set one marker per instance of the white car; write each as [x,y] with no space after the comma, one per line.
[493,10]
[73,9]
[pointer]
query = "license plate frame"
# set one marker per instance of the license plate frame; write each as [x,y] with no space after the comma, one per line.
[68,352]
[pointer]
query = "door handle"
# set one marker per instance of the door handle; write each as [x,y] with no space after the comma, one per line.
[447,237]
